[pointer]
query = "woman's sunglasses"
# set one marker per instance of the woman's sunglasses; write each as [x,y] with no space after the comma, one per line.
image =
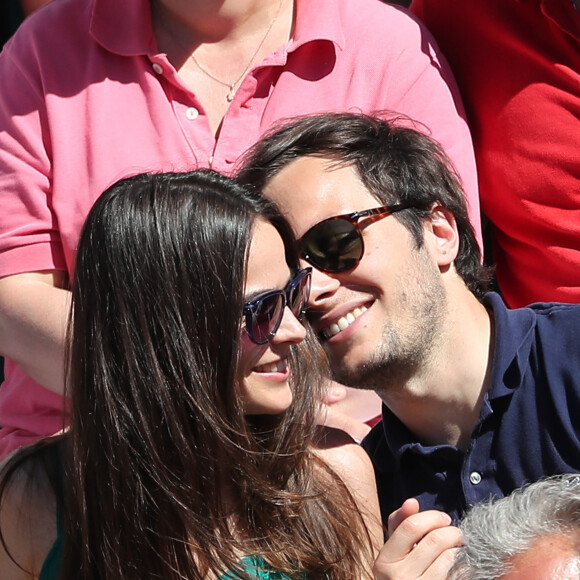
[265,312]
[336,244]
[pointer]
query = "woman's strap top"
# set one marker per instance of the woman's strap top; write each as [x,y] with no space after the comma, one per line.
[51,566]
[258,568]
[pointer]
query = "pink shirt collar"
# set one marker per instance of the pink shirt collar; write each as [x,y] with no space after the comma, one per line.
[110,19]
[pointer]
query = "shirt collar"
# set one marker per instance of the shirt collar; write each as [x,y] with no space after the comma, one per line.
[513,337]
[310,26]
[125,27]
[398,440]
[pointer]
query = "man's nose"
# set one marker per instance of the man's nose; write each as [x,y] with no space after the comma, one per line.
[323,286]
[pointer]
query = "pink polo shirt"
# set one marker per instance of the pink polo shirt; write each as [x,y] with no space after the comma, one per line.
[87,99]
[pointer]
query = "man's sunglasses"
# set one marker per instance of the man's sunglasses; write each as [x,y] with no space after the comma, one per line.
[336,244]
[265,312]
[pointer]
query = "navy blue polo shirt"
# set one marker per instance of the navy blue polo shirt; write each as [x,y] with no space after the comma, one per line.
[529,426]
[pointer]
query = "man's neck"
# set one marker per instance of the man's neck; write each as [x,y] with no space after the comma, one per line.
[212,21]
[441,405]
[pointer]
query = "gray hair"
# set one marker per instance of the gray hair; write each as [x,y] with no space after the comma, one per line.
[497,531]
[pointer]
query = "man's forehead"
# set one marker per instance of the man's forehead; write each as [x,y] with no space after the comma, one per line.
[553,557]
[306,166]
[309,189]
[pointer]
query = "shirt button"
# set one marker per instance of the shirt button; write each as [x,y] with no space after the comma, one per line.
[157,68]
[475,477]
[192,113]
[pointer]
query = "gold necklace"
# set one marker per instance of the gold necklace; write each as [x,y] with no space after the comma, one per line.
[232,86]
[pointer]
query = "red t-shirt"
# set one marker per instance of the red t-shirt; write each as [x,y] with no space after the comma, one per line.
[517,64]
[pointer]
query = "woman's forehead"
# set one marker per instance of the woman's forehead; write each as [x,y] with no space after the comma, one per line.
[267,268]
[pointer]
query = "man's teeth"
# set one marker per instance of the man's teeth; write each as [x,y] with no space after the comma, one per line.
[344,322]
[275,367]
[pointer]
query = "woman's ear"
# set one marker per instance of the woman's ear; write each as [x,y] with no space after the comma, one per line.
[441,236]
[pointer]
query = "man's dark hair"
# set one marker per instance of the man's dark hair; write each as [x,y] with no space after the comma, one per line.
[395,162]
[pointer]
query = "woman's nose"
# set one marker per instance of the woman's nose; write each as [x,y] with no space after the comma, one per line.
[290,330]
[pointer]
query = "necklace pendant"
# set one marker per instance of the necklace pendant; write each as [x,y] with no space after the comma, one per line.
[231,93]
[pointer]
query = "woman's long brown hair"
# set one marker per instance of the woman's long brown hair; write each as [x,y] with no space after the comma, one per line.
[158,434]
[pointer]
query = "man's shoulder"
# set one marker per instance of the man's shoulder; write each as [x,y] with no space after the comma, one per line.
[395,23]
[557,323]
[555,310]
[52,19]
[540,308]
[537,343]
[544,316]
[56,33]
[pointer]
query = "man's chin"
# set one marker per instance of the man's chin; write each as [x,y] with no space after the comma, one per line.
[358,378]
[375,375]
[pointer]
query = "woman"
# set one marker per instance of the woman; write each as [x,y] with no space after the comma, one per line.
[192,449]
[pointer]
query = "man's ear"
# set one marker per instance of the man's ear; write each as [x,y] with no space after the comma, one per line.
[441,236]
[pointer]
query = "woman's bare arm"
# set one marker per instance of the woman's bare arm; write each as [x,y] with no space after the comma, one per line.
[353,465]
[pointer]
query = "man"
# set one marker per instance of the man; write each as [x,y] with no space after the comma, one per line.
[532,533]
[477,399]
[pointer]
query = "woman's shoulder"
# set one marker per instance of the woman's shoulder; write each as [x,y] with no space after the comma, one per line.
[28,522]
[342,452]
[354,467]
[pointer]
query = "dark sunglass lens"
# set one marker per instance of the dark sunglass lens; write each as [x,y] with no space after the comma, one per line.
[333,245]
[266,317]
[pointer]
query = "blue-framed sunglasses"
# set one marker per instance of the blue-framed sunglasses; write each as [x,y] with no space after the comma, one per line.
[265,312]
